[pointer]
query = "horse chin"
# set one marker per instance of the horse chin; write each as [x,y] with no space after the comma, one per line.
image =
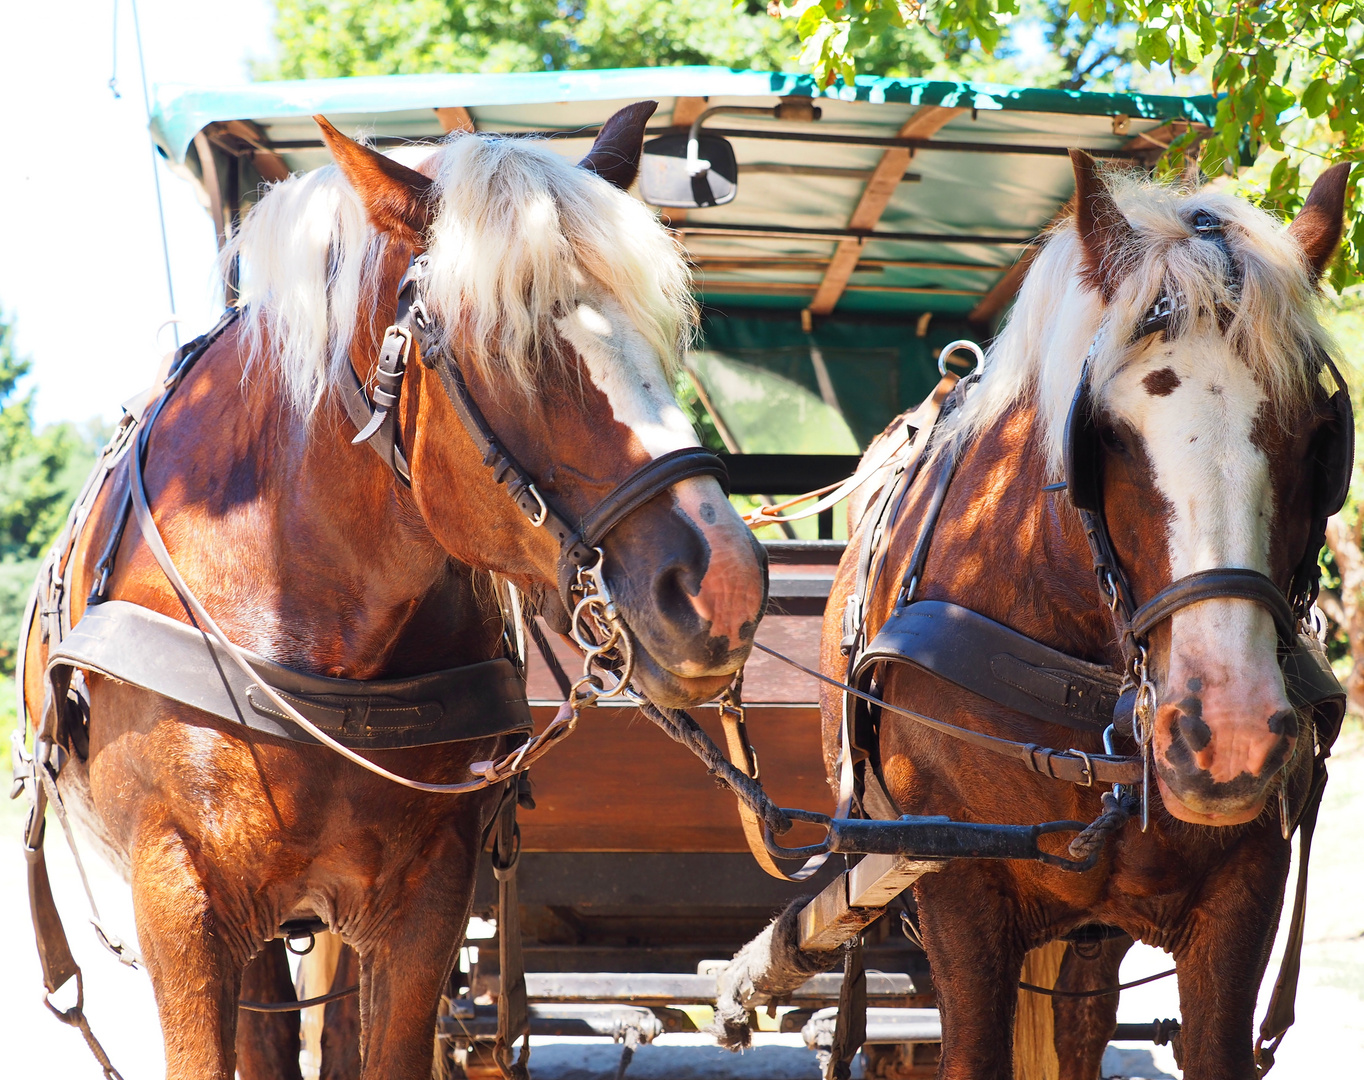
[1219,816]
[670,690]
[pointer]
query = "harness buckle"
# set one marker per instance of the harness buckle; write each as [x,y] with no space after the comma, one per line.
[1089,765]
[542,513]
[1109,587]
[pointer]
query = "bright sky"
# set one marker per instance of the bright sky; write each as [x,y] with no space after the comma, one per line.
[81,270]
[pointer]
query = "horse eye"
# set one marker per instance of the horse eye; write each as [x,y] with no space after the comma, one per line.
[1112,440]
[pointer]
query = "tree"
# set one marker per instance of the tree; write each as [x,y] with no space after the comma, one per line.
[323,38]
[40,474]
[1281,67]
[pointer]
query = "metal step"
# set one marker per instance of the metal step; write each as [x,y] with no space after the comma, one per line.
[645,988]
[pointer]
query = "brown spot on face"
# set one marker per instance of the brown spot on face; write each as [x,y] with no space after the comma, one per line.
[1161,383]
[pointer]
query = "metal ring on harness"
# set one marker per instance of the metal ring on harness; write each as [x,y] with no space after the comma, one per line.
[954,346]
[309,937]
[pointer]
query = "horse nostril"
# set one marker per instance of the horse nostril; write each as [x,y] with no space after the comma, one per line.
[1191,725]
[674,589]
[1190,737]
[1284,722]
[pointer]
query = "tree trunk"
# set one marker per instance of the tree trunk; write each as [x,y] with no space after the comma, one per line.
[1347,609]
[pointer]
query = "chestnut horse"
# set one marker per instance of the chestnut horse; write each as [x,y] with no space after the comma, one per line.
[1208,431]
[565,306]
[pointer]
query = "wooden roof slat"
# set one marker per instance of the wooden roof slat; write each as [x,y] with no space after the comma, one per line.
[454,118]
[242,138]
[855,286]
[819,263]
[999,297]
[880,189]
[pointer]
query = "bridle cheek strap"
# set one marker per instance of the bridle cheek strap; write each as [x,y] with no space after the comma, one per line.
[578,544]
[1219,584]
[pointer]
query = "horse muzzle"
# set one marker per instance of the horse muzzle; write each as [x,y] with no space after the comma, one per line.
[690,582]
[1219,750]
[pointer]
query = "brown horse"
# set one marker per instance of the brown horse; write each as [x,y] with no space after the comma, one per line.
[565,306]
[1207,430]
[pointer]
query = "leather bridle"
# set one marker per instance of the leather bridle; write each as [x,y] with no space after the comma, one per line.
[1084,486]
[579,539]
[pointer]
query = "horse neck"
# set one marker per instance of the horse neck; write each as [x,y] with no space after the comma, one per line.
[1013,552]
[317,556]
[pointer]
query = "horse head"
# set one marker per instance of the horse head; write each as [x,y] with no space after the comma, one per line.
[1215,446]
[565,307]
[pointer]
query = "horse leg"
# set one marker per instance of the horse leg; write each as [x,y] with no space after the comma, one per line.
[1221,960]
[268,1043]
[184,942]
[976,954]
[405,966]
[341,1023]
[1083,1026]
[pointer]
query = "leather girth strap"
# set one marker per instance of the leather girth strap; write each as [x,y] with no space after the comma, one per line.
[997,663]
[133,644]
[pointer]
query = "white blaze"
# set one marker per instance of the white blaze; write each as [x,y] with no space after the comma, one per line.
[1199,441]
[622,366]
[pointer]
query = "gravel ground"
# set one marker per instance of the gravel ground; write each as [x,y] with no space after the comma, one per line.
[1327,1041]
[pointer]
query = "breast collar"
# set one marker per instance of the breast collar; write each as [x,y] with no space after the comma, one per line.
[579,538]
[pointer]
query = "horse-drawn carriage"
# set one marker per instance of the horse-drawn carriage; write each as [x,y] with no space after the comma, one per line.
[842,246]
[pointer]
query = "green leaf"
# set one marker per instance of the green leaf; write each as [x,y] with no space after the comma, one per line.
[809,22]
[1313,99]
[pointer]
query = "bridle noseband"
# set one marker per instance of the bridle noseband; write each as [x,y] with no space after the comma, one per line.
[579,540]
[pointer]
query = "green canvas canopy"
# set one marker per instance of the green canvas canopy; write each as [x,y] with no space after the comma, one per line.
[861,239]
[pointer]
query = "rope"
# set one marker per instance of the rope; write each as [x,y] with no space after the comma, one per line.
[294,1006]
[75,1017]
[1053,992]
[1115,814]
[681,728]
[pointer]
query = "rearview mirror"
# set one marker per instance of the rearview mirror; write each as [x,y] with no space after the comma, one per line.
[670,176]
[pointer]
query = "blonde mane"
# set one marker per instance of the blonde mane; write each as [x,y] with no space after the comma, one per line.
[1038,356]
[520,234]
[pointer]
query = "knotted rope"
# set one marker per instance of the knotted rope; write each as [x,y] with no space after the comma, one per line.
[681,728]
[1116,813]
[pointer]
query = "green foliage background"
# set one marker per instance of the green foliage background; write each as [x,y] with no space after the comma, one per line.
[41,473]
[328,38]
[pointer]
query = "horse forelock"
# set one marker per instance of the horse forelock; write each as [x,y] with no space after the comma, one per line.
[521,235]
[1265,302]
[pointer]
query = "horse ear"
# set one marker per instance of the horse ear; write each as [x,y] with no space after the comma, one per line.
[397,199]
[615,155]
[1104,232]
[1321,221]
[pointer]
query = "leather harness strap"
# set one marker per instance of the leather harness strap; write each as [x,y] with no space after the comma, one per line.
[133,644]
[997,663]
